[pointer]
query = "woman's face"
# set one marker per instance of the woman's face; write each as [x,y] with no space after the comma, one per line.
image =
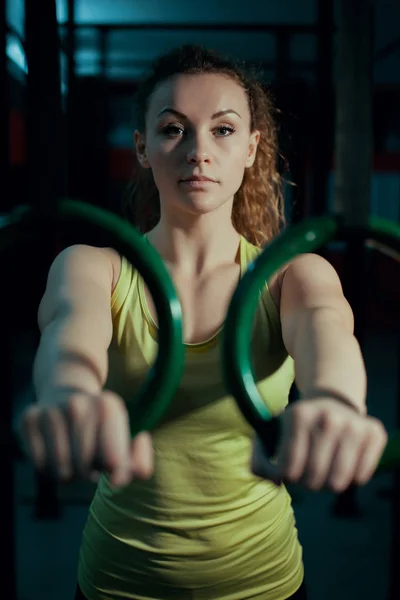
[197,126]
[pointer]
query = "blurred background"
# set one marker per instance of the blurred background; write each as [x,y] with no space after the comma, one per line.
[69,69]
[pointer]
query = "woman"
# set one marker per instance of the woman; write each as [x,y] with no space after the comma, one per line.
[191,510]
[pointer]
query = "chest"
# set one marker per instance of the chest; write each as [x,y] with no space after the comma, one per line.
[204,300]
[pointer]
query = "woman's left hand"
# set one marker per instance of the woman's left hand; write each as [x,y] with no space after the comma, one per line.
[324,444]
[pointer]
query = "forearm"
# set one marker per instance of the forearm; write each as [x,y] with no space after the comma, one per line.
[327,358]
[71,355]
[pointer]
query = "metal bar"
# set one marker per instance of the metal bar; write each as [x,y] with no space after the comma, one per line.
[394,581]
[70,44]
[7,498]
[353,158]
[282,62]
[323,109]
[44,154]
[4,117]
[43,103]
[103,52]
[238,26]
[354,131]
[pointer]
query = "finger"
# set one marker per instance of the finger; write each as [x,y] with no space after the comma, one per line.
[54,431]
[261,465]
[345,460]
[31,437]
[323,446]
[295,443]
[370,455]
[142,456]
[114,439]
[81,411]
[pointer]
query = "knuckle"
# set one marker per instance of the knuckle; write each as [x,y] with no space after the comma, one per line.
[291,474]
[52,415]
[145,471]
[112,407]
[353,428]
[30,417]
[76,407]
[330,421]
[330,418]
[113,402]
[378,428]
[385,437]
[105,404]
[302,413]
[112,463]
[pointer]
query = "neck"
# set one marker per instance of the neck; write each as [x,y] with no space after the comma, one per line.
[197,245]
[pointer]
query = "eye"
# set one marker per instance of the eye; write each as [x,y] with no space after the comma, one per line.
[172,130]
[225,130]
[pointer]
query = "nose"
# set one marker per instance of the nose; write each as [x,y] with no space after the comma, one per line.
[198,152]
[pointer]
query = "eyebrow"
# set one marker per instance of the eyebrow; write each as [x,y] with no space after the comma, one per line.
[216,115]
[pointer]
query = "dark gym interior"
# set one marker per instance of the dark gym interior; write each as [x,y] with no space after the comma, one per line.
[69,70]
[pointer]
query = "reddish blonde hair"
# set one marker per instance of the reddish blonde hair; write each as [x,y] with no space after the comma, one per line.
[258,211]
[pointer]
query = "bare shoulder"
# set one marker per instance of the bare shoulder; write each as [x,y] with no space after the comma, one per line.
[311,282]
[105,258]
[90,261]
[80,277]
[311,269]
[109,256]
[302,272]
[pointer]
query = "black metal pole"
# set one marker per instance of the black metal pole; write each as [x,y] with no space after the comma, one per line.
[4,102]
[104,38]
[44,157]
[394,582]
[322,141]
[282,63]
[70,96]
[7,446]
[44,102]
[353,164]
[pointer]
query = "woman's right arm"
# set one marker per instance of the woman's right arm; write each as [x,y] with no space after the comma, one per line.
[75,422]
[75,322]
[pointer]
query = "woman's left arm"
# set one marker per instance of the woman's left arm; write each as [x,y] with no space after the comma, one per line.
[327,438]
[318,332]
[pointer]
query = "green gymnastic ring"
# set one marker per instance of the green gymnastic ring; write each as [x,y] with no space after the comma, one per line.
[307,236]
[149,405]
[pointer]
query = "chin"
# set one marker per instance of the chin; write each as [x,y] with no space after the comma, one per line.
[202,204]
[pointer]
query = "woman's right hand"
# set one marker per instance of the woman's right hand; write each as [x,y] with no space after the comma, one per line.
[79,435]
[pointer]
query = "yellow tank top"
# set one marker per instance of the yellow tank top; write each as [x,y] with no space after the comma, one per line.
[203,527]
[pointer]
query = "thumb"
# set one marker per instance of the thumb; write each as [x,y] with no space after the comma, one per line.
[142,456]
[263,466]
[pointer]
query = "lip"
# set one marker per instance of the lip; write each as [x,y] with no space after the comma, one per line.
[197,185]
[197,179]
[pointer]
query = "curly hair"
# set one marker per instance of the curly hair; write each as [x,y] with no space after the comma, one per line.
[258,208]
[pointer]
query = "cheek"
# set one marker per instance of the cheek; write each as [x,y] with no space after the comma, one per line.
[162,154]
[239,148]
[236,160]
[162,161]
